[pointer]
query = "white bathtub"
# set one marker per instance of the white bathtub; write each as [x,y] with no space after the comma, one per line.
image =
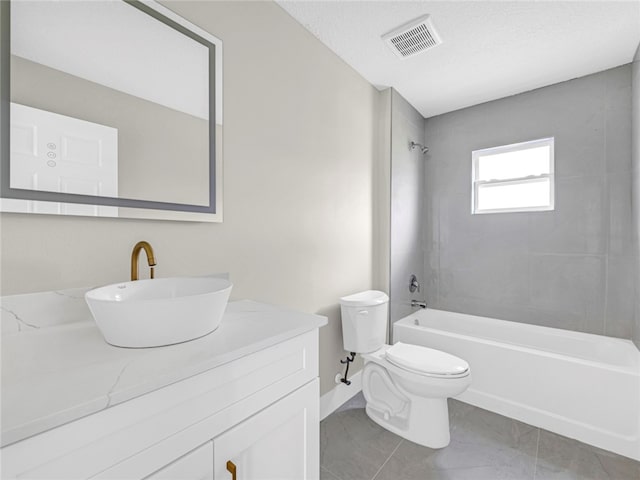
[576,384]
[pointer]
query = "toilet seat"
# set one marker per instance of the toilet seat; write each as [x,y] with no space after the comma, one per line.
[426,361]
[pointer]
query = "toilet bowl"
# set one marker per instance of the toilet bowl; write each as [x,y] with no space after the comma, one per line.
[405,386]
[411,400]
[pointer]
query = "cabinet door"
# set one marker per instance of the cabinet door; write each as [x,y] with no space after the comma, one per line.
[195,465]
[280,442]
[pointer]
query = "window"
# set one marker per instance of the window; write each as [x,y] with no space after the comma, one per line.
[513,178]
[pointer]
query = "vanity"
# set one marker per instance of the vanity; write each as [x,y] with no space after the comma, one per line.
[239,403]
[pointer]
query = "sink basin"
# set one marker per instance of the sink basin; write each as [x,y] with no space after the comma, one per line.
[164,311]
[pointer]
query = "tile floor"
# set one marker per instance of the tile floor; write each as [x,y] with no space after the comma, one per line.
[484,446]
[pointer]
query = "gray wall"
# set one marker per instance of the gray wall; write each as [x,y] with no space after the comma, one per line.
[635,161]
[569,268]
[407,200]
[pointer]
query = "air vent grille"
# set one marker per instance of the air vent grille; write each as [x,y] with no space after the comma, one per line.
[412,38]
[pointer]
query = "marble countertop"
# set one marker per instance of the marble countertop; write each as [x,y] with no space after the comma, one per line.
[54,372]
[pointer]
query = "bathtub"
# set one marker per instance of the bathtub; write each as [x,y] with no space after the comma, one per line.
[575,384]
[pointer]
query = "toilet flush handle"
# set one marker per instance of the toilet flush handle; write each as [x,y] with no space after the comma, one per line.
[363,312]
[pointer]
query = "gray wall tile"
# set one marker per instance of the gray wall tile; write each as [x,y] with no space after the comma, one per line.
[579,222]
[619,203]
[407,205]
[574,114]
[568,268]
[572,285]
[636,325]
[552,318]
[620,295]
[618,111]
[635,164]
[496,277]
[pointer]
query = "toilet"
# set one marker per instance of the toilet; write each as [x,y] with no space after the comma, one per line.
[405,386]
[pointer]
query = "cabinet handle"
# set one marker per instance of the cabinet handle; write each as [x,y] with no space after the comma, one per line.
[231,468]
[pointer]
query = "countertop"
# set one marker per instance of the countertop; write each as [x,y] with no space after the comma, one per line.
[54,374]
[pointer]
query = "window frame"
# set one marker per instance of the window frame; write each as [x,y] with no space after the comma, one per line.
[475,183]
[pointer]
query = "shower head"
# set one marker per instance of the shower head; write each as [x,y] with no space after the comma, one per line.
[414,145]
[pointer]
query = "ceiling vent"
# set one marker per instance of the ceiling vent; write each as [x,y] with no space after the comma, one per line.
[413,38]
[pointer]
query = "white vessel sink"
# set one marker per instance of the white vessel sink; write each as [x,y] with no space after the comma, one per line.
[163,311]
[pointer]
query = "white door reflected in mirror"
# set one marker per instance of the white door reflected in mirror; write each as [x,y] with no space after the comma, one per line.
[56,153]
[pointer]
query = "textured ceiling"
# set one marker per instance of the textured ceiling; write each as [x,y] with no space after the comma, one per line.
[490,49]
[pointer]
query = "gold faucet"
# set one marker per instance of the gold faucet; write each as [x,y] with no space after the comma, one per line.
[135,254]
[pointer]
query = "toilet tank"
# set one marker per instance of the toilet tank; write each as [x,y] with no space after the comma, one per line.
[364,321]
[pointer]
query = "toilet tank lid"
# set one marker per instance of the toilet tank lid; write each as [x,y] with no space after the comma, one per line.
[368,298]
[425,360]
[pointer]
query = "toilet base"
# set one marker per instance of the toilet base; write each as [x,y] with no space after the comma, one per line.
[427,425]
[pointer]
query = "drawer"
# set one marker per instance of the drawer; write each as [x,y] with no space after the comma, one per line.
[195,465]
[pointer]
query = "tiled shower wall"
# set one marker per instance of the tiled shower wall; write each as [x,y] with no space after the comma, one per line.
[635,161]
[570,268]
[407,200]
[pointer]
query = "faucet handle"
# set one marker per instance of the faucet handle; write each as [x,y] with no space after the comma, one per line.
[414,284]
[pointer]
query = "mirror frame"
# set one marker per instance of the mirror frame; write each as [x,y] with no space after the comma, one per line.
[128,208]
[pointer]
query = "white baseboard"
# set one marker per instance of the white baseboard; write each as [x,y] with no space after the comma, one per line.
[334,398]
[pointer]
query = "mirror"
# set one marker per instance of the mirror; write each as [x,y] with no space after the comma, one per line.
[110,108]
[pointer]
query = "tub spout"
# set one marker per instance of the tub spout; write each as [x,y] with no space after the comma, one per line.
[419,303]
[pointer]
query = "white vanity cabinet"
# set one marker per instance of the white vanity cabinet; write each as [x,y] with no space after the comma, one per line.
[272,444]
[258,411]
